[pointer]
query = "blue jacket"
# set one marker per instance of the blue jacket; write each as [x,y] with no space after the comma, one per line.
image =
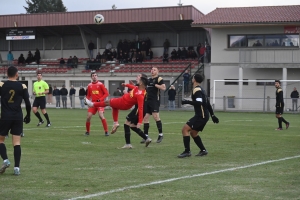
[10,56]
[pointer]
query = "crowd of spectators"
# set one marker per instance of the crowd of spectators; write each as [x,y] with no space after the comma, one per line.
[30,58]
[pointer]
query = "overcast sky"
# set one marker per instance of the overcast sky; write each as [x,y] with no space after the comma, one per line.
[205,6]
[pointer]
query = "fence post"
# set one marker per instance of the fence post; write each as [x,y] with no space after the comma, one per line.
[224,103]
[268,103]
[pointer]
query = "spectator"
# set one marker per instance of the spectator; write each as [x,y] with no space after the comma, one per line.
[37,56]
[108,46]
[150,54]
[143,49]
[62,63]
[183,54]
[117,93]
[103,57]
[91,48]
[56,93]
[171,98]
[186,81]
[139,57]
[75,62]
[64,93]
[72,93]
[114,54]
[21,60]
[125,57]
[29,58]
[173,54]
[119,47]
[82,93]
[178,54]
[166,57]
[198,49]
[49,95]
[88,63]
[131,57]
[70,62]
[10,58]
[166,46]
[201,53]
[295,96]
[120,57]
[208,52]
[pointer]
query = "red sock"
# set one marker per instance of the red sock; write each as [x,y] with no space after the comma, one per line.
[115,113]
[87,126]
[99,104]
[104,123]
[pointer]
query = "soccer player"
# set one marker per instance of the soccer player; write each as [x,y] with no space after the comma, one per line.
[40,89]
[152,102]
[12,94]
[96,91]
[197,123]
[280,106]
[128,100]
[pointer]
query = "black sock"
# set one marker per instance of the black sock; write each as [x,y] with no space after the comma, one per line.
[280,122]
[3,151]
[186,142]
[159,126]
[199,143]
[284,120]
[139,132]
[127,133]
[47,118]
[17,155]
[146,128]
[37,114]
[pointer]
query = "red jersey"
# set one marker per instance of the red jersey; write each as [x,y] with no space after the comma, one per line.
[96,91]
[135,96]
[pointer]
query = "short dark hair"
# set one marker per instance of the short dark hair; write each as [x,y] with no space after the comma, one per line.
[144,79]
[198,78]
[39,73]
[278,81]
[12,71]
[93,73]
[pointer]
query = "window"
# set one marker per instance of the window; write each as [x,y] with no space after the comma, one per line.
[263,83]
[267,41]
[234,82]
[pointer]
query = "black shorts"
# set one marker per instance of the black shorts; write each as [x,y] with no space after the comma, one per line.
[152,106]
[133,116]
[197,123]
[15,127]
[279,110]
[39,102]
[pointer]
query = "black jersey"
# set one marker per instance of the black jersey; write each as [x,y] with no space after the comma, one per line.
[199,95]
[12,94]
[153,93]
[279,97]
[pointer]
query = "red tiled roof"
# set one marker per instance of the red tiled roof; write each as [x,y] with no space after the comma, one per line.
[265,14]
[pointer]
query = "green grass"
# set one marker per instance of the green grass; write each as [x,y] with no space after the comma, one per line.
[61,163]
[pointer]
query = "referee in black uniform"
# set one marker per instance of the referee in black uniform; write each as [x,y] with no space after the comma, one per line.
[280,106]
[197,123]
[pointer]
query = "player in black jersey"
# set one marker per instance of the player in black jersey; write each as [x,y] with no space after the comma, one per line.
[197,123]
[152,102]
[280,106]
[12,94]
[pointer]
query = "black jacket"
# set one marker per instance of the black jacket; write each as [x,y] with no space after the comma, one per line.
[295,94]
[81,93]
[172,94]
[72,91]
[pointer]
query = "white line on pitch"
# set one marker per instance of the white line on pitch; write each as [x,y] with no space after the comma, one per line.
[180,178]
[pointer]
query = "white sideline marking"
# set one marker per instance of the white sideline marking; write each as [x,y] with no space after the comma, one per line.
[183,177]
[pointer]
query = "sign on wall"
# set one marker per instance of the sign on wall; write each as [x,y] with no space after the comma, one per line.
[292,29]
[20,34]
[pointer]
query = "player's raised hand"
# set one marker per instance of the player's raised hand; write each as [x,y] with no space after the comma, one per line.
[123,84]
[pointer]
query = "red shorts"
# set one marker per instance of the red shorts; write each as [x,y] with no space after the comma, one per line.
[118,103]
[94,110]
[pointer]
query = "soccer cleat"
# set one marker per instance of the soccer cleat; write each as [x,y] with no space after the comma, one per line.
[115,128]
[278,129]
[5,165]
[40,123]
[287,125]
[202,153]
[48,125]
[143,141]
[16,171]
[148,141]
[6,136]
[106,133]
[159,139]
[88,102]
[127,146]
[87,134]
[184,154]
[22,134]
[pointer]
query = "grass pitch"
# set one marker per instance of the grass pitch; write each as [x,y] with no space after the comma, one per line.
[247,159]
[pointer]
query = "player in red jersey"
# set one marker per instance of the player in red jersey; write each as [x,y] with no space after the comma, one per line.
[96,91]
[135,96]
